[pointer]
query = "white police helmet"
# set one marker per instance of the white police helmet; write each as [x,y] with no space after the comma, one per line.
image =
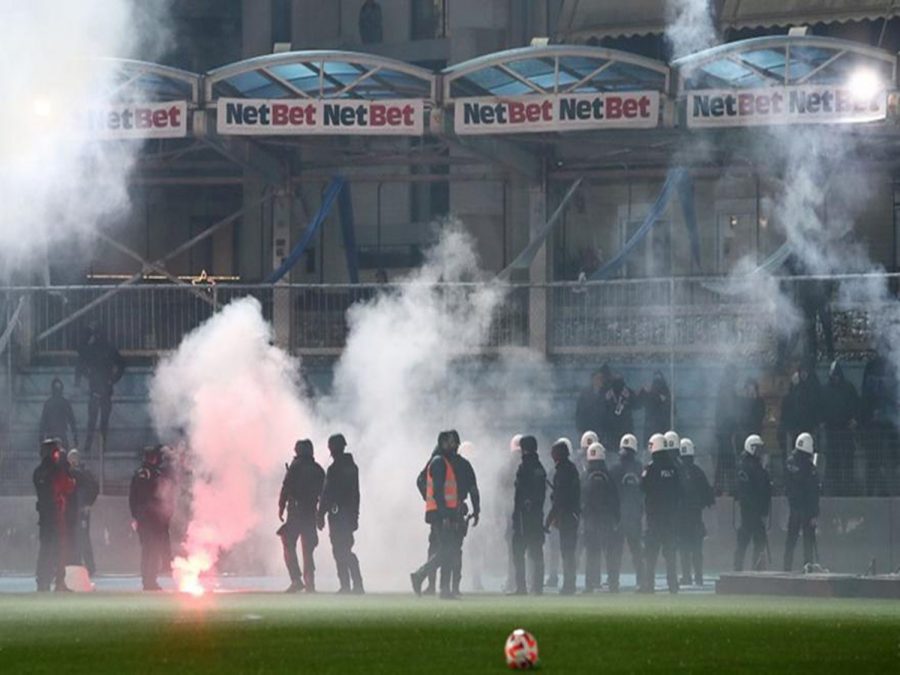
[687,447]
[515,443]
[672,440]
[628,442]
[588,438]
[805,443]
[657,443]
[596,452]
[753,444]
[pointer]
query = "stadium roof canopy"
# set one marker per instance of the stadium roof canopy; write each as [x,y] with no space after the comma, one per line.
[782,60]
[321,75]
[552,70]
[143,81]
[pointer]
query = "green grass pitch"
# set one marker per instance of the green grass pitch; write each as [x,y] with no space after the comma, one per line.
[264,633]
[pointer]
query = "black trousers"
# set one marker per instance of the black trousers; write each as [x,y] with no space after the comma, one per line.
[81,544]
[690,547]
[153,537]
[99,404]
[309,539]
[568,545]
[661,536]
[456,557]
[440,553]
[528,542]
[796,525]
[752,528]
[599,541]
[340,532]
[51,561]
[630,534]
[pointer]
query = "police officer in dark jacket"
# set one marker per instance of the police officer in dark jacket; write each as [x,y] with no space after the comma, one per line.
[840,413]
[467,485]
[802,490]
[754,494]
[340,501]
[600,514]
[300,494]
[441,513]
[54,487]
[57,417]
[696,495]
[103,367]
[528,517]
[565,510]
[87,488]
[151,499]
[627,477]
[661,485]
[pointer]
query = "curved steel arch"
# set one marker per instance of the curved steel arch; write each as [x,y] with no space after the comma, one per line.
[134,71]
[263,66]
[555,52]
[688,65]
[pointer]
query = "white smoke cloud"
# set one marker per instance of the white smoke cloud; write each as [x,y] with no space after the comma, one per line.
[690,26]
[400,380]
[55,183]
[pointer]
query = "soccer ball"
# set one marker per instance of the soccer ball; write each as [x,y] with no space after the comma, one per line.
[521,650]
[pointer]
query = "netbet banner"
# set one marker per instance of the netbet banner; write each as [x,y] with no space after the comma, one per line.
[262,117]
[138,120]
[557,112]
[807,104]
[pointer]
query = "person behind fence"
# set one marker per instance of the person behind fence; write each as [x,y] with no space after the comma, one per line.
[726,429]
[754,495]
[57,417]
[656,400]
[627,477]
[661,485]
[151,499]
[340,502]
[879,429]
[600,518]
[565,510]
[752,410]
[620,404]
[54,487]
[87,488]
[441,495]
[528,518]
[801,408]
[840,412]
[590,411]
[802,490]
[696,495]
[103,366]
[300,492]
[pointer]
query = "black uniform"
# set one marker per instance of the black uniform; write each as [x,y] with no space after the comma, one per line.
[467,485]
[53,487]
[528,521]
[754,494]
[840,409]
[620,404]
[662,498]
[300,493]
[565,511]
[103,366]
[802,490]
[627,477]
[600,514]
[86,491]
[340,500]
[696,495]
[151,499]
[443,519]
[57,417]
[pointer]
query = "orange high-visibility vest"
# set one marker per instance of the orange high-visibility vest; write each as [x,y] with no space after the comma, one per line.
[451,498]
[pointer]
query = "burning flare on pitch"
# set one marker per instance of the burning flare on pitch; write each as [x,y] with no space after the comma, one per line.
[187,572]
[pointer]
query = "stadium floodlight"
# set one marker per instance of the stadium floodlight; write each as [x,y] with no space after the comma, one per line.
[864,84]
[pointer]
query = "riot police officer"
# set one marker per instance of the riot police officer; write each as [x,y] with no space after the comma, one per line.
[662,497]
[754,494]
[565,510]
[151,499]
[528,517]
[87,488]
[300,492]
[54,488]
[340,502]
[697,494]
[802,489]
[600,514]
[627,477]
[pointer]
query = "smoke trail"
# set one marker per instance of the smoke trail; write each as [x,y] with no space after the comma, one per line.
[690,26]
[55,182]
